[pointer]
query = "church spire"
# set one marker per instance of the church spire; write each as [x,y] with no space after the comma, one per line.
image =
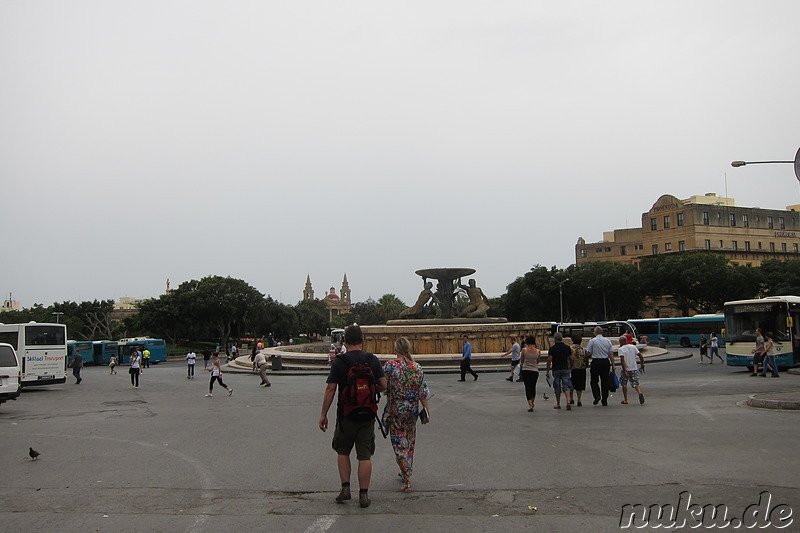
[345,292]
[308,292]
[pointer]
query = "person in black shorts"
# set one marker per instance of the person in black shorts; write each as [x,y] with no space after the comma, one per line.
[348,433]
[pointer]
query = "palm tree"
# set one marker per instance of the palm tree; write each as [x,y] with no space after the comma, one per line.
[389,307]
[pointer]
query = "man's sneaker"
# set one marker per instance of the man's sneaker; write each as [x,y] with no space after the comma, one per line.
[344,494]
[209,395]
[641,398]
[363,499]
[230,392]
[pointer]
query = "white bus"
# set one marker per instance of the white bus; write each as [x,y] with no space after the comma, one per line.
[42,351]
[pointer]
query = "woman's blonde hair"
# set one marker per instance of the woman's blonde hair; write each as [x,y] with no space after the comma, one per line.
[402,346]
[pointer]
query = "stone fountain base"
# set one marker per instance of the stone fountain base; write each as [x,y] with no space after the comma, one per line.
[446,336]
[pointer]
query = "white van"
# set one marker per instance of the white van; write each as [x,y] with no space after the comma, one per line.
[10,373]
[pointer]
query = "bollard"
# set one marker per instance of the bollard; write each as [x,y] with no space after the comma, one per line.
[277,363]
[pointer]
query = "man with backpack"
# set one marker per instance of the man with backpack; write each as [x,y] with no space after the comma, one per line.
[359,377]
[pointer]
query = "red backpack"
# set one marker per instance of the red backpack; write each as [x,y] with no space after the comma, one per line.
[359,396]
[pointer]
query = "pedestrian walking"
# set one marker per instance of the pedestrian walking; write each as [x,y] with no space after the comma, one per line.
[77,365]
[758,352]
[112,364]
[260,363]
[580,360]
[770,363]
[466,360]
[558,358]
[715,348]
[135,367]
[514,352]
[632,362]
[600,350]
[350,432]
[406,389]
[216,375]
[191,358]
[529,364]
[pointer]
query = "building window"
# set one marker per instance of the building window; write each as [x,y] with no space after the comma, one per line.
[749,264]
[705,218]
[680,219]
[666,222]
[746,246]
[772,247]
[783,247]
[608,249]
[668,247]
[721,246]
[770,223]
[708,244]
[782,222]
[681,246]
[623,250]
[794,247]
[732,218]
[598,250]
[653,224]
[745,221]
[735,245]
[583,253]
[759,245]
[655,249]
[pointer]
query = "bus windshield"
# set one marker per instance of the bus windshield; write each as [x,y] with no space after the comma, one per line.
[741,322]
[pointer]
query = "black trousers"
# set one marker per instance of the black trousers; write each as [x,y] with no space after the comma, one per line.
[530,377]
[465,367]
[599,371]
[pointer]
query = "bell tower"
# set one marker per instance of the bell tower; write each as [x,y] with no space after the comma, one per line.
[308,292]
[345,292]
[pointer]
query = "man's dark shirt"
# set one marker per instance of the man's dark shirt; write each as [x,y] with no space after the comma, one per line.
[560,353]
[340,366]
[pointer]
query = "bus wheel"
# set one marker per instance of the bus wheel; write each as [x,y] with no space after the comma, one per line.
[685,342]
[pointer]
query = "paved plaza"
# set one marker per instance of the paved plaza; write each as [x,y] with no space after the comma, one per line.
[165,458]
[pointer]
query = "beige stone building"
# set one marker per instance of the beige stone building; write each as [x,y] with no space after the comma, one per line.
[336,304]
[746,235]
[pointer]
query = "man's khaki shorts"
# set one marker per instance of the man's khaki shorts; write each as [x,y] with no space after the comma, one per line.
[359,434]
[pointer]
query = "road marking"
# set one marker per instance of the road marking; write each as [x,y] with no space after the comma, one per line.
[322,523]
[703,413]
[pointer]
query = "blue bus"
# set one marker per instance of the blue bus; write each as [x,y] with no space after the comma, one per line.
[685,331]
[157,347]
[103,350]
[777,314]
[82,347]
[647,328]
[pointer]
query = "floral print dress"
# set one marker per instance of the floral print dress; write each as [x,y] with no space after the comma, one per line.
[406,387]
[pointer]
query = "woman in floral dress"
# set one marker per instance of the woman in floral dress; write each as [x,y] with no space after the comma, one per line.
[406,390]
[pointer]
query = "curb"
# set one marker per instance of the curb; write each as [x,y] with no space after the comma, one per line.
[763,401]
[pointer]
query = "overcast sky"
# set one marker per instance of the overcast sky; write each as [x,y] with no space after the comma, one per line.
[268,141]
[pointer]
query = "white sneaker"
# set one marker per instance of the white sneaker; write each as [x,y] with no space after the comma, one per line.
[209,395]
[230,392]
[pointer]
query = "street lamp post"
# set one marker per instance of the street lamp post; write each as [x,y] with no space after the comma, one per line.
[58,315]
[561,297]
[796,163]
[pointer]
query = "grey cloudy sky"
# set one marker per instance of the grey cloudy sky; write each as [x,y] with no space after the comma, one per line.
[268,140]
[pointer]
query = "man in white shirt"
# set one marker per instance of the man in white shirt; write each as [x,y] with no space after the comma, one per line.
[630,357]
[602,363]
[260,362]
[191,357]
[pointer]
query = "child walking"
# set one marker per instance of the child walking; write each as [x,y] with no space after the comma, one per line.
[216,375]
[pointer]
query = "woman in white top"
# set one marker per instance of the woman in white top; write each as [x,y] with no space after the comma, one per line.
[530,369]
[216,375]
[136,368]
[769,357]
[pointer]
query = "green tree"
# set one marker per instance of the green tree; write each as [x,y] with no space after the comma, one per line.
[699,281]
[366,313]
[601,290]
[389,307]
[780,278]
[312,317]
[281,320]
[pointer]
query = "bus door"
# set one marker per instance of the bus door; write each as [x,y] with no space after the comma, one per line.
[794,330]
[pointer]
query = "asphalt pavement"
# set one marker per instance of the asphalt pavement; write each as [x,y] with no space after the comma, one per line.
[164,457]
